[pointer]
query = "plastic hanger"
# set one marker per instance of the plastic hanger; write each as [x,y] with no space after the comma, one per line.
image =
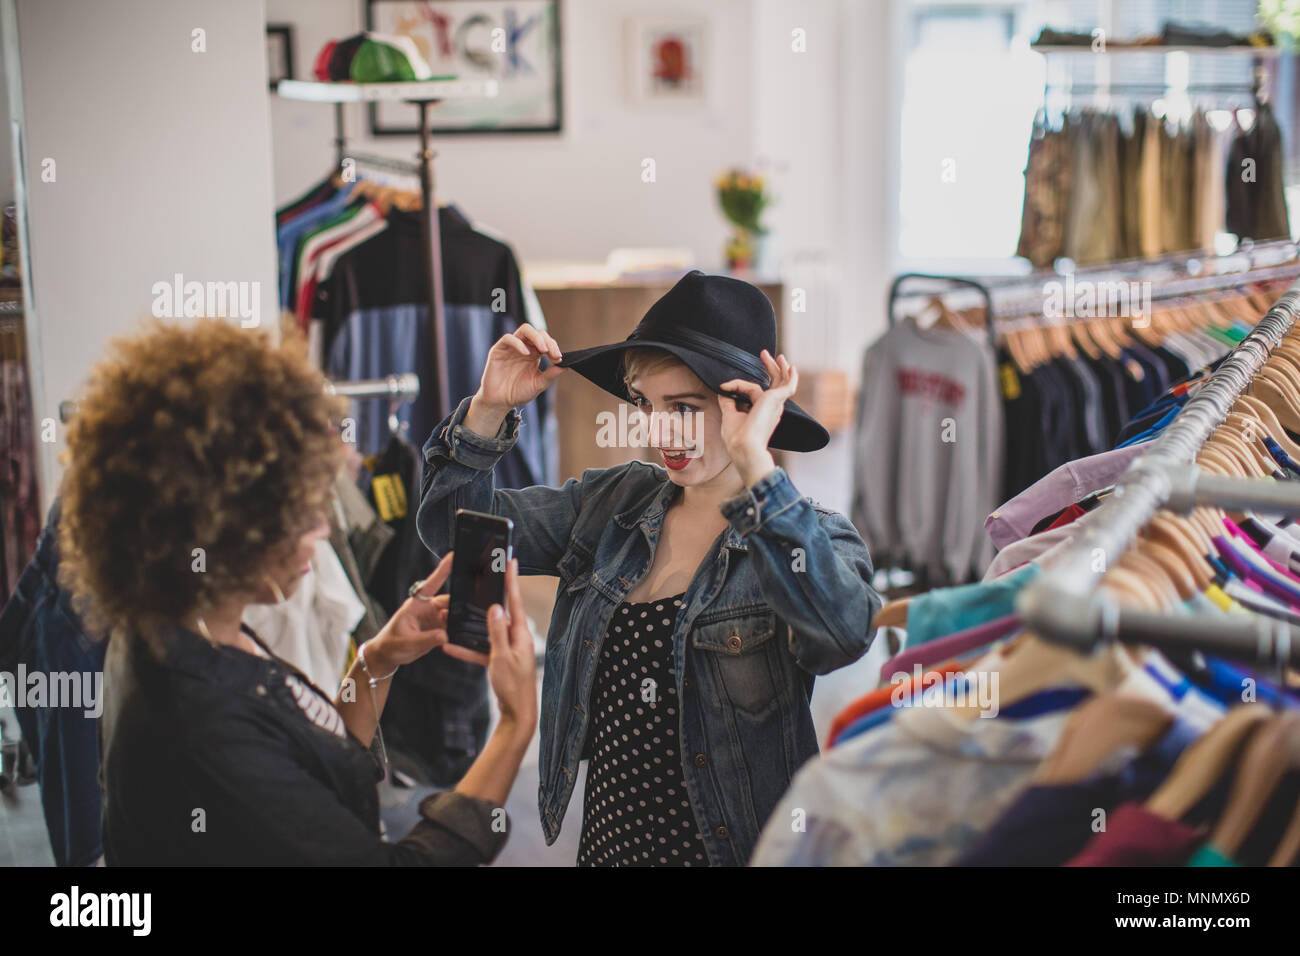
[1099,728]
[1207,761]
[1273,752]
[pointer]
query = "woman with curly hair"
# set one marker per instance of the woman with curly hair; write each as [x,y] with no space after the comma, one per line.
[198,476]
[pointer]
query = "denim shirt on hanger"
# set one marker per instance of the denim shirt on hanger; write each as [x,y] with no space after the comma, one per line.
[748,641]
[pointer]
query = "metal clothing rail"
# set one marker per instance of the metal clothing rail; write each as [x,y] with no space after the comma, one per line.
[1031,313]
[401,388]
[1064,605]
[384,162]
[398,387]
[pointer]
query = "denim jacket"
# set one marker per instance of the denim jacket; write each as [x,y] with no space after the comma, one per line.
[785,594]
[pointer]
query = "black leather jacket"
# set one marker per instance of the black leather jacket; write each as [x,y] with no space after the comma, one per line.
[213,756]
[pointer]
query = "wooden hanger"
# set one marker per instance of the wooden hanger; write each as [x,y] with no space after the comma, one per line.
[1217,461]
[1273,752]
[1152,574]
[1105,338]
[1272,427]
[1082,335]
[1275,395]
[1098,728]
[1129,591]
[1015,345]
[1168,559]
[1230,440]
[1030,665]
[1207,761]
[893,614]
[1288,847]
[1165,530]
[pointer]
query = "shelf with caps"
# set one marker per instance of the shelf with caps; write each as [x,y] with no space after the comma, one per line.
[346,92]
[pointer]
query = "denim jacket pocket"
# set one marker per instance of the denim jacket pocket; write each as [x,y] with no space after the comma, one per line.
[739,651]
[575,571]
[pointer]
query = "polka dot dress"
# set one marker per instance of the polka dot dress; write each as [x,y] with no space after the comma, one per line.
[636,811]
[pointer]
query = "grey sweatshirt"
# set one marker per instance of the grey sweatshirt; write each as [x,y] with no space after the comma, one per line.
[928,455]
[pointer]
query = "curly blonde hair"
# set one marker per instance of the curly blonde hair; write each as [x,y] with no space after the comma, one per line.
[205,436]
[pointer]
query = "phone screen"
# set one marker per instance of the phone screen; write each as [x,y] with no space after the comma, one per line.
[478,576]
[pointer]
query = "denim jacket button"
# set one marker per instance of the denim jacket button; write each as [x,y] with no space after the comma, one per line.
[750,512]
[722,833]
[701,760]
[734,642]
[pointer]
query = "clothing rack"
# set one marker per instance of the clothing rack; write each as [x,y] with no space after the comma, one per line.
[979,287]
[423,95]
[1063,604]
[1020,295]
[1255,88]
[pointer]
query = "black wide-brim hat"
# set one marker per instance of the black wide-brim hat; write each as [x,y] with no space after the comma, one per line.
[717,326]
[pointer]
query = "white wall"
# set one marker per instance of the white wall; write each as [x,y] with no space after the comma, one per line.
[162,161]
[572,195]
[816,120]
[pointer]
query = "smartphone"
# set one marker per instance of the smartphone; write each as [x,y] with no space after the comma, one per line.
[478,576]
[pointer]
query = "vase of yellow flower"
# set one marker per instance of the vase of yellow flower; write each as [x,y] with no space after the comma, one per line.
[743,197]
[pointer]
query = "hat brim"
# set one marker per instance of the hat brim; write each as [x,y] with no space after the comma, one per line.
[602,365]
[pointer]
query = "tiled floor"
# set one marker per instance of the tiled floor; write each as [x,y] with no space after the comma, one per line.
[24,840]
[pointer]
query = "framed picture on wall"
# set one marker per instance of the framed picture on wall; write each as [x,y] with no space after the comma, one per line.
[279,53]
[668,60]
[515,42]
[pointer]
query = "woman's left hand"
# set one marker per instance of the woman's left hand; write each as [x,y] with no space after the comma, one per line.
[419,626]
[746,434]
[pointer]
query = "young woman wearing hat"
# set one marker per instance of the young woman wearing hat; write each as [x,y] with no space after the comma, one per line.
[696,601]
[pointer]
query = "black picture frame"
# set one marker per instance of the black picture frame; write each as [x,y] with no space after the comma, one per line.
[377,128]
[280,34]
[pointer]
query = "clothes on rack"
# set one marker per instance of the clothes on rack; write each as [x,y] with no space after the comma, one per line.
[1254,183]
[1073,399]
[986,745]
[42,635]
[1110,185]
[928,451]
[20,518]
[355,278]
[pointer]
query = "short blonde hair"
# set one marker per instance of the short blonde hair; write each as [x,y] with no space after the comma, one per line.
[647,361]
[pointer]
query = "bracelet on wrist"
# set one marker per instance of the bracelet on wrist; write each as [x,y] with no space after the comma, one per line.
[361,656]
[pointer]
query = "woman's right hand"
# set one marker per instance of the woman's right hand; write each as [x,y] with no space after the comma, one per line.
[511,376]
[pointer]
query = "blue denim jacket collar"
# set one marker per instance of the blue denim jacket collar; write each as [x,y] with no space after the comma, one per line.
[649,513]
